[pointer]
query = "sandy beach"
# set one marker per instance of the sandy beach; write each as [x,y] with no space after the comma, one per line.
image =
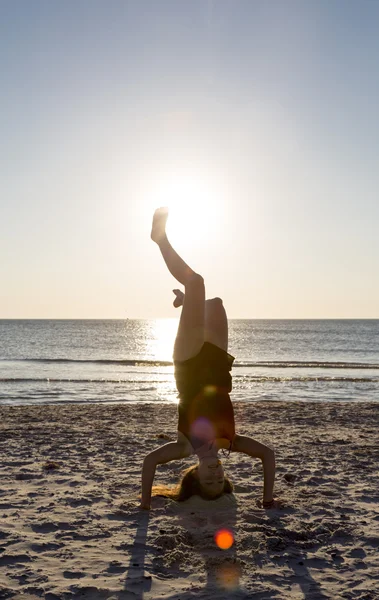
[71,528]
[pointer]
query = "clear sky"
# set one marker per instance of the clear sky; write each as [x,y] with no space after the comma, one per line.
[256,121]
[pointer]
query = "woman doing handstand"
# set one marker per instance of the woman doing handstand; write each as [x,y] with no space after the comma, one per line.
[202,373]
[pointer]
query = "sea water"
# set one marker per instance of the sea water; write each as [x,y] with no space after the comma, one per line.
[62,361]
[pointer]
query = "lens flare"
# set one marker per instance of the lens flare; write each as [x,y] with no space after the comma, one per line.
[228,576]
[224,539]
[203,429]
[210,390]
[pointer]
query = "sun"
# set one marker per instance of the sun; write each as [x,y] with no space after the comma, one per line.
[196,207]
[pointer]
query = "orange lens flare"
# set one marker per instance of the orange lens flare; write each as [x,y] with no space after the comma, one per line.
[224,539]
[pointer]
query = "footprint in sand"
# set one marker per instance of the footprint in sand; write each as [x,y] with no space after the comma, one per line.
[46,527]
[357,553]
[116,567]
[13,559]
[45,547]
[73,574]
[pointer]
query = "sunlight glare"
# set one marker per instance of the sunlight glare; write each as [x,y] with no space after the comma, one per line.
[159,347]
[196,206]
[163,337]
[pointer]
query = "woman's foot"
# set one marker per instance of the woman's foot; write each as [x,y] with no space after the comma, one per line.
[158,230]
[179,298]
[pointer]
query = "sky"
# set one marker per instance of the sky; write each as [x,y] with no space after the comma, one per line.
[256,122]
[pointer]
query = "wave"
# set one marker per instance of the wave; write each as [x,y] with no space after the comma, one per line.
[135,362]
[239,379]
[98,361]
[295,364]
[74,380]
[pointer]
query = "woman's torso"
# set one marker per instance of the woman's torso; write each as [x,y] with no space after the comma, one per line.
[205,409]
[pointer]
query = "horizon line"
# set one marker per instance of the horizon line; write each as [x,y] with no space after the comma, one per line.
[156,318]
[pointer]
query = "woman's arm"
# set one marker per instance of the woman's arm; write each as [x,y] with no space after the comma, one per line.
[170,451]
[249,446]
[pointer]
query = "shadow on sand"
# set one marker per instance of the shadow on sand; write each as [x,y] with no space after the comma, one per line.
[198,523]
[220,571]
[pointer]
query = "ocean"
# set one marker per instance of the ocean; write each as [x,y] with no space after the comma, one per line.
[63,361]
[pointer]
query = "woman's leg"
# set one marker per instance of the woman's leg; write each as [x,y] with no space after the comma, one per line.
[190,336]
[216,323]
[215,320]
[175,264]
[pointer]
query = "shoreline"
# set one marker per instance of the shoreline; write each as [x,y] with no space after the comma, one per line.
[172,403]
[70,526]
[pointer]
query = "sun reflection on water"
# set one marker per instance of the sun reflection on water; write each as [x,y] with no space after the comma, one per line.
[160,344]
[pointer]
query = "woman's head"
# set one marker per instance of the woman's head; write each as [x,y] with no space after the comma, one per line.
[211,477]
[202,479]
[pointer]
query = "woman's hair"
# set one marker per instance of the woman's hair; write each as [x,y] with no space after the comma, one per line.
[189,486]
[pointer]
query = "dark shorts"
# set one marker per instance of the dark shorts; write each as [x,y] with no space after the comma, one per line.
[204,382]
[211,366]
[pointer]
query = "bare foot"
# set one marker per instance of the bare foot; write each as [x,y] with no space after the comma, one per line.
[158,230]
[179,298]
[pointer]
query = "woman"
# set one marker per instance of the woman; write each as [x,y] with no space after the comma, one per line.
[202,373]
